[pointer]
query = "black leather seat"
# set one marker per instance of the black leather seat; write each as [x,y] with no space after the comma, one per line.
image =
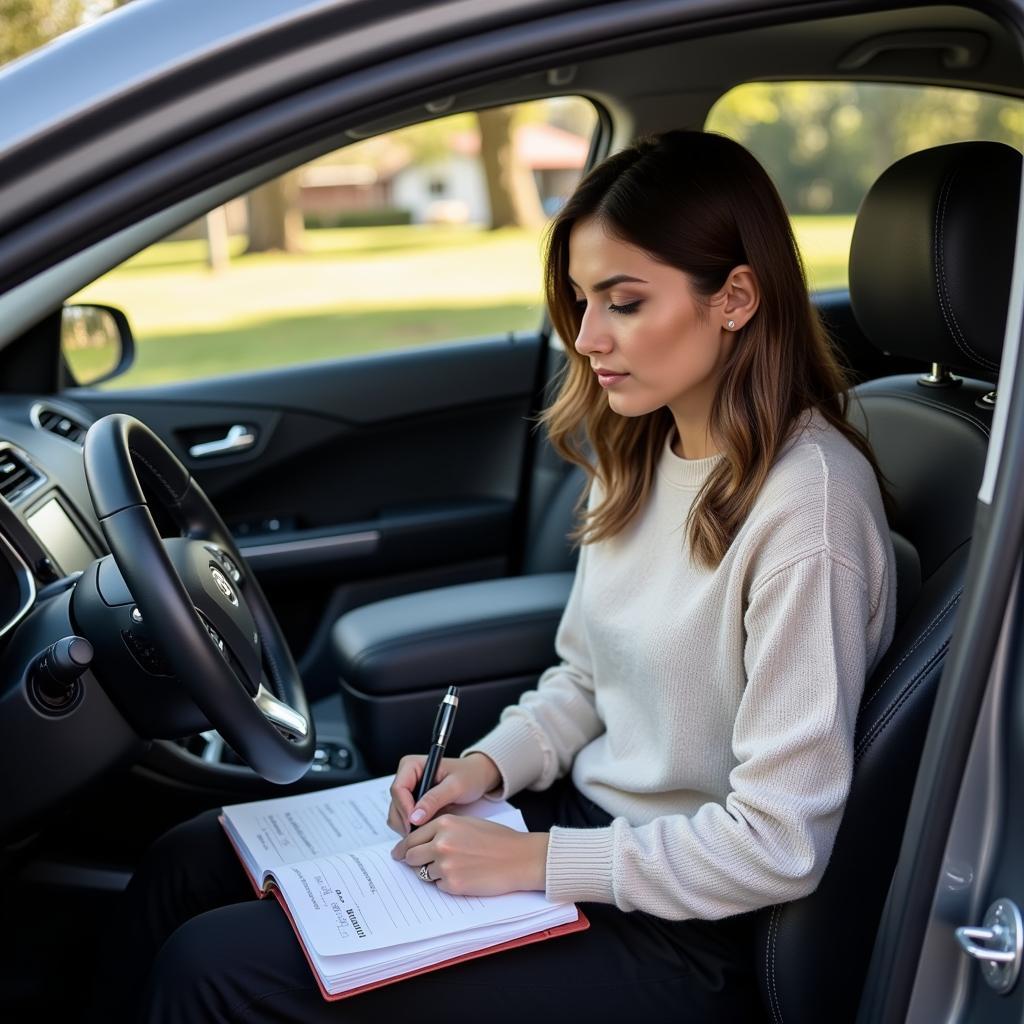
[930,267]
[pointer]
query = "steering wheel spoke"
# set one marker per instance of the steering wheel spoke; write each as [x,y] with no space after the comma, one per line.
[281,715]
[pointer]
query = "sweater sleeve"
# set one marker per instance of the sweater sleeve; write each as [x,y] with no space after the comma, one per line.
[805,654]
[537,738]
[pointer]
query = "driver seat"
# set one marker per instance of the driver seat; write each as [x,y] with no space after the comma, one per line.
[930,265]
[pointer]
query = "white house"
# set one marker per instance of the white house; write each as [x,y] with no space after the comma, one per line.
[450,189]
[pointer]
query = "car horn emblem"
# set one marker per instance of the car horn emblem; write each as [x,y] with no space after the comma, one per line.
[222,585]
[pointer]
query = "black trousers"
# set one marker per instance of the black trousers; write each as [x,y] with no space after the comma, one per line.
[191,944]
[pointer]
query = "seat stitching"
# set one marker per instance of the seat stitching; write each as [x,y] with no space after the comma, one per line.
[940,277]
[904,697]
[937,255]
[920,640]
[885,715]
[773,932]
[962,413]
[769,967]
[871,734]
[768,963]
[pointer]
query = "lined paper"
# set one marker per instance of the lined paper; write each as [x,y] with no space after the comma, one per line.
[286,830]
[365,899]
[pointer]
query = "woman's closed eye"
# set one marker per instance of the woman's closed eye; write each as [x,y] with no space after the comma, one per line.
[629,307]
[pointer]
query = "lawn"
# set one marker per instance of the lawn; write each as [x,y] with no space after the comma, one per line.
[353,290]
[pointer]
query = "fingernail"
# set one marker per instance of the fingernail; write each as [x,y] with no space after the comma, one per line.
[417,816]
[394,852]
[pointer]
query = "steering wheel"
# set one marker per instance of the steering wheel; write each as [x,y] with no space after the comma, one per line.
[232,658]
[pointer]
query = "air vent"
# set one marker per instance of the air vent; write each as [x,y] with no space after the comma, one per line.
[58,423]
[17,477]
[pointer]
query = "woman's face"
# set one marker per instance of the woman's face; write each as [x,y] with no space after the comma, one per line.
[647,329]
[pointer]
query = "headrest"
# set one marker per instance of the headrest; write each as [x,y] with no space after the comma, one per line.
[932,255]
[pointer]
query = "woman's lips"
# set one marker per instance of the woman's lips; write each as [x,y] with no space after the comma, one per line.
[608,380]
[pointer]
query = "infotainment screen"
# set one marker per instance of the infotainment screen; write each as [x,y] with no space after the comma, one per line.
[53,526]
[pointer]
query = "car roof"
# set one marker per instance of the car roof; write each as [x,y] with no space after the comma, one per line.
[138,43]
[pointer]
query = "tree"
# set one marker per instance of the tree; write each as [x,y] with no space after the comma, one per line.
[511,190]
[215,228]
[26,24]
[275,217]
[824,143]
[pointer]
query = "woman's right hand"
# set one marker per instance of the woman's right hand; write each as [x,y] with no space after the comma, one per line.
[460,780]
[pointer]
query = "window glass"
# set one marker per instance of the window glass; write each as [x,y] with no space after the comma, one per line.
[423,234]
[825,143]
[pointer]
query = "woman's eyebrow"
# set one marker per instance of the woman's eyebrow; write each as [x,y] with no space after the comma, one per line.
[617,279]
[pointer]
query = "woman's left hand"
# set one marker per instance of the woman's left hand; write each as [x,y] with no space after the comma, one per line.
[475,856]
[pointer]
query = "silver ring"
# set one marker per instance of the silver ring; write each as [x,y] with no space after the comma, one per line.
[425,874]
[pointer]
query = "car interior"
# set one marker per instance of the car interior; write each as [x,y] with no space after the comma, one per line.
[407,524]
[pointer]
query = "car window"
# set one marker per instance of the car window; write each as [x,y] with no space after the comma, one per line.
[825,143]
[426,233]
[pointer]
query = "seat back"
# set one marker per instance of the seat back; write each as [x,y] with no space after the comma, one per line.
[548,549]
[930,266]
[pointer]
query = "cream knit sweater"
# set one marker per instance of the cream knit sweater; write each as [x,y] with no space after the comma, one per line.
[712,712]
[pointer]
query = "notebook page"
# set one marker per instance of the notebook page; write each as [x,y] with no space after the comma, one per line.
[286,830]
[366,899]
[353,969]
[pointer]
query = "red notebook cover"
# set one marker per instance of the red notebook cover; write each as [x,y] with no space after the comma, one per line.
[580,924]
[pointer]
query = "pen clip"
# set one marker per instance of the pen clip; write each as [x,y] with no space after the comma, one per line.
[445,717]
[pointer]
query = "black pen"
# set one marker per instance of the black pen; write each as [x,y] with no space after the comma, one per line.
[443,723]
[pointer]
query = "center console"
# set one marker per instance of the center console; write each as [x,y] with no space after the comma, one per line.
[395,658]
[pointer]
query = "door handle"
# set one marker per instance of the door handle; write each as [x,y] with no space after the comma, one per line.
[238,439]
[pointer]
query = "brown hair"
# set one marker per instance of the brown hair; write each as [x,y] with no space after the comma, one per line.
[702,203]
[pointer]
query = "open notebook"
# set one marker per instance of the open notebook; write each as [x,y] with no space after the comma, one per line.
[363,918]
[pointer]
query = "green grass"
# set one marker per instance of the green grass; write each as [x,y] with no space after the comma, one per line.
[353,290]
[825,246]
[279,341]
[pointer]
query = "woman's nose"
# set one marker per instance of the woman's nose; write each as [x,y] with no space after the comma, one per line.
[591,338]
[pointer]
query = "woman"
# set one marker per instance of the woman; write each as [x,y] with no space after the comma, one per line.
[688,760]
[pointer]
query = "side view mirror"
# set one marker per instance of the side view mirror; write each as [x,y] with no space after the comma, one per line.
[96,343]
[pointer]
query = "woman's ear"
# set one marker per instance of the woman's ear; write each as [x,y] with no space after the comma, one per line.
[741,296]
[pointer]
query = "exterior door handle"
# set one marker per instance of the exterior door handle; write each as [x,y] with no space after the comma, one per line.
[238,439]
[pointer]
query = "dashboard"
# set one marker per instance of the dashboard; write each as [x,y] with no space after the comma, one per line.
[49,535]
[125,704]
[47,526]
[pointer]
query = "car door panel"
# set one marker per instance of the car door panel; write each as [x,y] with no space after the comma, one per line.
[376,474]
[982,859]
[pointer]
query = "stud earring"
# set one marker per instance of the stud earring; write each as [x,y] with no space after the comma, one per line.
[731,324]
